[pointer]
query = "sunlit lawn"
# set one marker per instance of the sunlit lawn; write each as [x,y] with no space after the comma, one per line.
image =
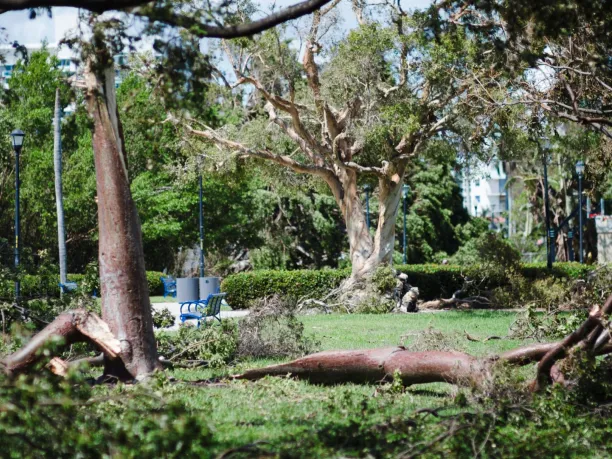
[283,410]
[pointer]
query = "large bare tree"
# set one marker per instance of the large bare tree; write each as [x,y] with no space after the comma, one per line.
[355,112]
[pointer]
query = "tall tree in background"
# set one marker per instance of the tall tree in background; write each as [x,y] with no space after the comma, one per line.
[558,52]
[383,92]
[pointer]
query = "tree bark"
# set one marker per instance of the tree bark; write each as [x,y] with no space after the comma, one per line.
[125,295]
[71,327]
[378,365]
[366,252]
[381,365]
[59,198]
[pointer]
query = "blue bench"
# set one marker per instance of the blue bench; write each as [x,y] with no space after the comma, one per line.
[71,287]
[169,286]
[202,309]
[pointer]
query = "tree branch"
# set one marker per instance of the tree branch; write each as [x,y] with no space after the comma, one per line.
[167,15]
[234,31]
[263,154]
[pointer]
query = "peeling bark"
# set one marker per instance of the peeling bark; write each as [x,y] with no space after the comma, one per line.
[378,365]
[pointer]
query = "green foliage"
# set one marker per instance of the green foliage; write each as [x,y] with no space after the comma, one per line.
[384,279]
[162,318]
[490,249]
[215,344]
[436,220]
[272,330]
[242,289]
[433,281]
[46,416]
[374,304]
[46,286]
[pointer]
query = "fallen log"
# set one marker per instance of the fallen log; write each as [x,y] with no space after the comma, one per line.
[377,365]
[70,327]
[380,365]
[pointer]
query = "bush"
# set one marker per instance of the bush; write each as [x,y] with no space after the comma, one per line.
[217,345]
[272,330]
[433,281]
[244,289]
[46,416]
[162,318]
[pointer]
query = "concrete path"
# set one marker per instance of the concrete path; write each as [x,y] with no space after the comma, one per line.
[175,308]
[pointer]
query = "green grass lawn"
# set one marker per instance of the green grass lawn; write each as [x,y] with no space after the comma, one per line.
[295,418]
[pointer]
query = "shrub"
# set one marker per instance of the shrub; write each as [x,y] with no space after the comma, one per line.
[384,279]
[272,330]
[46,416]
[217,345]
[374,304]
[162,318]
[47,286]
[244,289]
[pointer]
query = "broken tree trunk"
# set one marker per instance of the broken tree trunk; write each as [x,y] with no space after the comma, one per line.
[125,294]
[69,327]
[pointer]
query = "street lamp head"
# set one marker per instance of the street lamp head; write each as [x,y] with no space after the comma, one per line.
[17,137]
[405,191]
[580,168]
[367,188]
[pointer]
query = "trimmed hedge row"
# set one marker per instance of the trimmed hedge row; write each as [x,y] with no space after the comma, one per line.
[243,288]
[33,286]
[433,281]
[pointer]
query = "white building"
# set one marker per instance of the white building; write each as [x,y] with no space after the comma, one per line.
[68,61]
[485,193]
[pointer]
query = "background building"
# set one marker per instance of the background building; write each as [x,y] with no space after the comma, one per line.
[485,192]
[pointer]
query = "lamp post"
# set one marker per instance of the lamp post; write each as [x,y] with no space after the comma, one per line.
[367,189]
[550,233]
[580,172]
[201,220]
[405,193]
[17,140]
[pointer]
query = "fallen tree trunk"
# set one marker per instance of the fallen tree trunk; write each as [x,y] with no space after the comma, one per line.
[380,365]
[375,365]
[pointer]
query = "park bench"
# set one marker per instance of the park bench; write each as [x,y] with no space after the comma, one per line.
[202,309]
[169,286]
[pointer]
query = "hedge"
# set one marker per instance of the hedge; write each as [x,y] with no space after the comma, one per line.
[243,288]
[33,286]
[433,281]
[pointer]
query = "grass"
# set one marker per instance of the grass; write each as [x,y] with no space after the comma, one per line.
[298,419]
